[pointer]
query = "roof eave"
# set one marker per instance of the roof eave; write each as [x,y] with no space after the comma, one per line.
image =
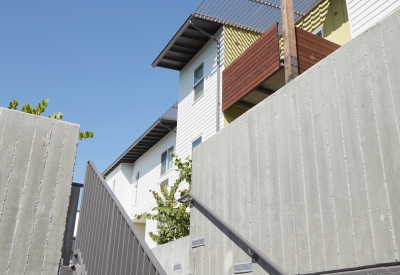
[172,42]
[167,121]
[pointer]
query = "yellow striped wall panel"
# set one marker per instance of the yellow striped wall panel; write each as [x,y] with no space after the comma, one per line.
[236,42]
[332,16]
[233,113]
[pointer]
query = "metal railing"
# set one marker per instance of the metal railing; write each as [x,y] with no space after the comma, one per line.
[257,256]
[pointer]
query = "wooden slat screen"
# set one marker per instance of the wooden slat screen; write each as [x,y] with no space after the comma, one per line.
[311,49]
[250,69]
[107,239]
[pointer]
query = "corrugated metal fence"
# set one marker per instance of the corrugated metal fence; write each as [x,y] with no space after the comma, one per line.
[107,240]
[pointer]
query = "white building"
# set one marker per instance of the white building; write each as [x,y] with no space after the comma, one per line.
[364,14]
[142,167]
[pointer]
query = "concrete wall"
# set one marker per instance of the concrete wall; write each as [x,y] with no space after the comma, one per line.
[311,175]
[176,252]
[37,157]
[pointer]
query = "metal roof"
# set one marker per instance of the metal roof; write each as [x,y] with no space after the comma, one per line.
[253,15]
[185,44]
[163,126]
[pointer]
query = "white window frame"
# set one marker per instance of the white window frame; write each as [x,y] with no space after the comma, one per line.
[198,137]
[320,29]
[169,162]
[135,182]
[198,82]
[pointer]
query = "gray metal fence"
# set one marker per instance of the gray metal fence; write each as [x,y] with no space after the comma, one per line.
[106,239]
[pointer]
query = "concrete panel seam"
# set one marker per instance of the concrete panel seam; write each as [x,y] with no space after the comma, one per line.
[11,167]
[291,178]
[330,166]
[22,196]
[47,142]
[279,182]
[389,82]
[345,160]
[380,151]
[316,168]
[269,180]
[302,171]
[258,182]
[53,200]
[362,153]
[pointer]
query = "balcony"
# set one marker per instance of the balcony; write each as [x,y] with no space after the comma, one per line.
[258,72]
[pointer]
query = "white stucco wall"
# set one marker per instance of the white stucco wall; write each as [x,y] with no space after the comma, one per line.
[364,14]
[199,118]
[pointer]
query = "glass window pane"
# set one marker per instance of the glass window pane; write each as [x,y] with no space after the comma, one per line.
[199,90]
[163,163]
[320,33]
[169,158]
[198,74]
[196,143]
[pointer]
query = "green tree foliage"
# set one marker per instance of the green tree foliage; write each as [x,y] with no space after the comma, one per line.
[173,217]
[40,108]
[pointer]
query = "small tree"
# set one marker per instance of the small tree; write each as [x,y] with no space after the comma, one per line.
[40,108]
[173,217]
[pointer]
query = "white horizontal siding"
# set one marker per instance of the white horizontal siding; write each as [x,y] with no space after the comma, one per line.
[364,14]
[122,187]
[149,168]
[199,118]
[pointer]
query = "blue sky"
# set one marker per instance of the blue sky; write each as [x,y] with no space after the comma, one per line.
[92,60]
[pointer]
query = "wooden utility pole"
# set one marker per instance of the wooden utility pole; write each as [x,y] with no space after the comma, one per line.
[289,40]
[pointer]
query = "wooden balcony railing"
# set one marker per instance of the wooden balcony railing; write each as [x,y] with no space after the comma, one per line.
[261,61]
[311,49]
[256,64]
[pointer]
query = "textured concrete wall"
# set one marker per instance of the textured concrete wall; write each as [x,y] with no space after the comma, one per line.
[176,252]
[37,157]
[311,175]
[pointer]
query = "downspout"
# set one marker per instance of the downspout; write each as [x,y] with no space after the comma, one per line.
[218,70]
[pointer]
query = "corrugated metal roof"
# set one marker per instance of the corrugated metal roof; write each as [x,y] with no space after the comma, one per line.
[253,15]
[171,113]
[162,127]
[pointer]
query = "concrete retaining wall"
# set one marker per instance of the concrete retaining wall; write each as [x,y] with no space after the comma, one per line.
[37,157]
[174,253]
[311,175]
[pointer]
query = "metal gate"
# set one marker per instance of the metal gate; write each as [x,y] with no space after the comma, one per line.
[107,241]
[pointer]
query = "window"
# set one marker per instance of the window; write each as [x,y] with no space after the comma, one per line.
[135,181]
[319,33]
[198,82]
[196,143]
[166,160]
[164,183]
